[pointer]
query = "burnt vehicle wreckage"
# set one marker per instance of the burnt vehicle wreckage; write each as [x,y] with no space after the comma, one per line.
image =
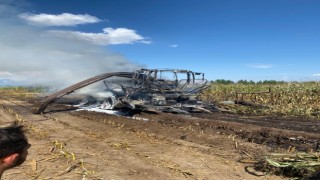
[155,90]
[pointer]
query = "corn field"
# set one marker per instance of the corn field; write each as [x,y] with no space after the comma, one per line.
[291,99]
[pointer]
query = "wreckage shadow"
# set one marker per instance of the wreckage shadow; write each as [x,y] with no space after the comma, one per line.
[35,111]
[58,110]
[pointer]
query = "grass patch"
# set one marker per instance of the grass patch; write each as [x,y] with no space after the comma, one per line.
[294,165]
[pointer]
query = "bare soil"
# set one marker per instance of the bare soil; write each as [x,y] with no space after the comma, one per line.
[90,145]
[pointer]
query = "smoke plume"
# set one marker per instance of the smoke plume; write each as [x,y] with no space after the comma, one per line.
[31,55]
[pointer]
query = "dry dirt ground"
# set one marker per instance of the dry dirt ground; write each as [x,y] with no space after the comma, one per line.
[89,145]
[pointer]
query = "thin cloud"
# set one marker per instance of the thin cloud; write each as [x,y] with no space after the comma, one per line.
[284,78]
[173,45]
[317,74]
[64,19]
[109,36]
[5,73]
[261,66]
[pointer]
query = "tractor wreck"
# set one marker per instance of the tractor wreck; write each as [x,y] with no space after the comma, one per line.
[156,90]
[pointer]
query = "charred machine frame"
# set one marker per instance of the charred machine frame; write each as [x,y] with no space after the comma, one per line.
[144,88]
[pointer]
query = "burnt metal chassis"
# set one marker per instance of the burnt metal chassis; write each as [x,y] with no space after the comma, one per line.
[144,78]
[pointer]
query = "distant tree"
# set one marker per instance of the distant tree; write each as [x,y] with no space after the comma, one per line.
[222,81]
[272,82]
[241,81]
[251,82]
[259,82]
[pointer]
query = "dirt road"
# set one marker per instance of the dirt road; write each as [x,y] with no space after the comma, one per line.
[88,145]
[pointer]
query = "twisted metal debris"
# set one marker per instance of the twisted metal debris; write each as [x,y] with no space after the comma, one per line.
[167,90]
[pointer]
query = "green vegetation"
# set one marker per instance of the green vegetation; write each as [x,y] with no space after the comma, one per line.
[284,98]
[295,165]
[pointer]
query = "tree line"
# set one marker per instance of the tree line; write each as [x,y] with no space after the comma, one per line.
[224,81]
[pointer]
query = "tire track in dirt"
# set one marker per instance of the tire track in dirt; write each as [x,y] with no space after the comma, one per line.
[88,139]
[114,148]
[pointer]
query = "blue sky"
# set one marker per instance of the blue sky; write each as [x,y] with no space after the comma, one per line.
[225,39]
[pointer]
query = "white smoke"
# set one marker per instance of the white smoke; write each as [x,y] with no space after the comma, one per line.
[30,55]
